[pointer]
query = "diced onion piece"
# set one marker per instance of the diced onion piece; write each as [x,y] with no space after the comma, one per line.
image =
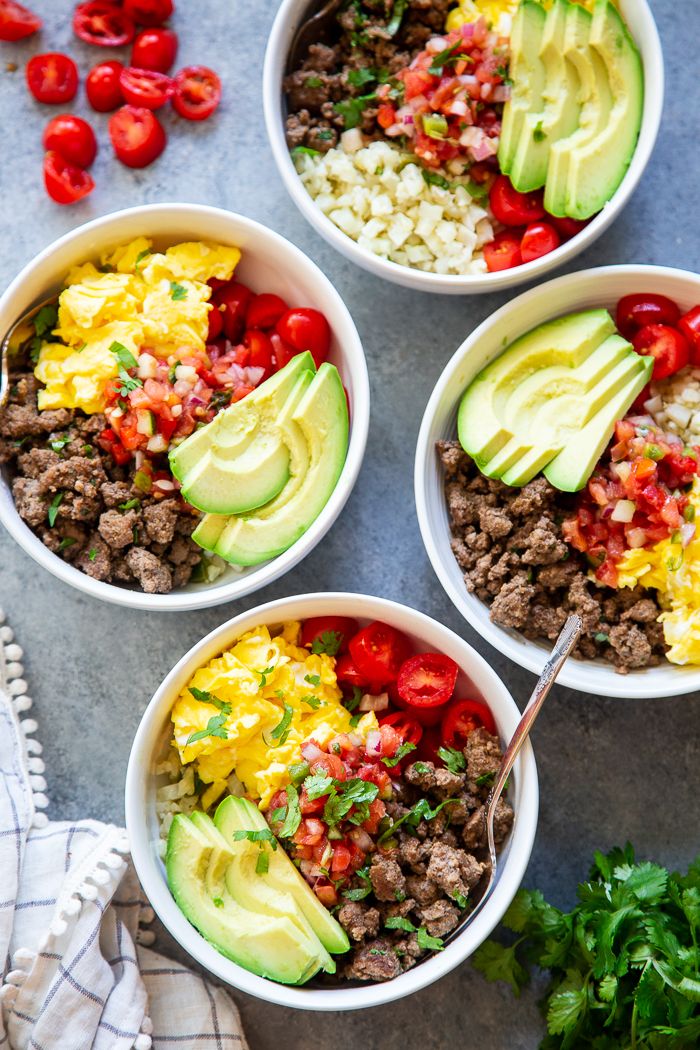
[622,470]
[163,485]
[311,751]
[360,837]
[185,372]
[636,537]
[369,702]
[624,510]
[654,404]
[373,743]
[157,443]
[352,140]
[147,366]
[687,533]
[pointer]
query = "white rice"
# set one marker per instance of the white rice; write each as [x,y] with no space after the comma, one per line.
[377,196]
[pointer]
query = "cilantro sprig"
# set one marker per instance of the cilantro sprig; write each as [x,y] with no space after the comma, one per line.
[453,759]
[215,727]
[328,642]
[423,938]
[421,811]
[401,752]
[208,698]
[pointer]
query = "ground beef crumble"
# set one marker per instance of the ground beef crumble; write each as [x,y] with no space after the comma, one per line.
[427,876]
[508,543]
[54,453]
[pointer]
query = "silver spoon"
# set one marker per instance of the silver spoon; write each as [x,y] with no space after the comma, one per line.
[564,645]
[17,336]
[314,30]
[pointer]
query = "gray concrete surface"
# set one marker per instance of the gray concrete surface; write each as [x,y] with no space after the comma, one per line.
[610,770]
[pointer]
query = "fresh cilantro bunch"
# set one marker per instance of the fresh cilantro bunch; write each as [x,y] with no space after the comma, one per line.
[624,963]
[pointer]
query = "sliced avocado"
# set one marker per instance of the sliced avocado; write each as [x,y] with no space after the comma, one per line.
[528,74]
[240,460]
[321,418]
[561,109]
[209,530]
[598,166]
[252,889]
[268,946]
[238,814]
[571,469]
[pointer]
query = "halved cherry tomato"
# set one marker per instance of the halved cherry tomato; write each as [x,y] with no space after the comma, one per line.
[347,674]
[216,324]
[149,12]
[261,352]
[409,729]
[16,21]
[513,208]
[503,252]
[567,227]
[65,183]
[378,651]
[462,718]
[540,238]
[103,23]
[137,136]
[235,298]
[265,310]
[667,345]
[197,92]
[73,138]
[340,628]
[689,325]
[145,87]
[426,682]
[283,351]
[52,78]
[635,311]
[428,747]
[154,49]
[102,86]
[306,329]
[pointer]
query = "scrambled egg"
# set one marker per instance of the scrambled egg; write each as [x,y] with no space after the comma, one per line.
[675,574]
[142,299]
[263,680]
[499,13]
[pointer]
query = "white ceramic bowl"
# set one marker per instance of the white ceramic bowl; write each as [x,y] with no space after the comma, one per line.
[577,291]
[151,740]
[269,263]
[291,13]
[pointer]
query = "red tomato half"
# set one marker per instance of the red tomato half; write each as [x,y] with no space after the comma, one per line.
[428,747]
[503,252]
[342,626]
[635,311]
[265,310]
[102,87]
[17,21]
[103,23]
[216,324]
[689,325]
[154,49]
[145,87]
[567,227]
[513,208]
[261,352]
[73,138]
[667,345]
[197,92]
[235,298]
[540,238]
[409,729]
[348,674]
[149,12]
[378,651]
[137,136]
[306,329]
[65,183]
[462,718]
[427,680]
[52,78]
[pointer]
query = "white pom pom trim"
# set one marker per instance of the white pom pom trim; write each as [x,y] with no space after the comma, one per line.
[13,682]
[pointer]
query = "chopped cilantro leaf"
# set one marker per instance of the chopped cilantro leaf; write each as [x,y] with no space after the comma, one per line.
[260,836]
[66,542]
[45,319]
[52,513]
[485,780]
[432,944]
[293,817]
[397,13]
[215,727]
[313,679]
[421,767]
[355,720]
[58,444]
[378,951]
[351,109]
[347,795]
[281,730]
[421,811]
[448,57]
[403,750]
[264,676]
[453,759]
[361,77]
[92,553]
[262,864]
[433,178]
[317,785]
[350,703]
[217,902]
[131,504]
[398,922]
[208,698]
[313,701]
[460,900]
[178,292]
[140,257]
[305,151]
[329,642]
[124,356]
[313,82]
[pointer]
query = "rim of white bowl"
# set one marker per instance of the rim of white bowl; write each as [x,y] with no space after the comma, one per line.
[587,676]
[350,348]
[647,39]
[142,824]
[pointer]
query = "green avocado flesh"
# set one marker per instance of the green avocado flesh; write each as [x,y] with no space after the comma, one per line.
[239,814]
[240,912]
[551,400]
[314,422]
[572,122]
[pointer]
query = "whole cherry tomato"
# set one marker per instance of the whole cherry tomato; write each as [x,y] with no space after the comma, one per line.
[73,138]
[503,252]
[667,345]
[137,136]
[16,21]
[513,208]
[103,23]
[338,630]
[261,352]
[462,718]
[145,87]
[567,227]
[52,78]
[378,652]
[635,311]
[65,183]
[540,238]
[197,92]
[235,298]
[149,12]
[689,325]
[265,310]
[306,329]
[154,49]
[102,86]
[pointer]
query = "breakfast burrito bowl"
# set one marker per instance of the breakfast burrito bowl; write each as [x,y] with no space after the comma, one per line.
[166,320]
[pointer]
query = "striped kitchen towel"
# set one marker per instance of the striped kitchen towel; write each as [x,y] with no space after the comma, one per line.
[75,968]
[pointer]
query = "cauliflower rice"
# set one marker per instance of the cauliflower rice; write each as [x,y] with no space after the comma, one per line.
[674,404]
[378,196]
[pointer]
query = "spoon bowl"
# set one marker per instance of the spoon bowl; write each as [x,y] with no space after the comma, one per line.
[14,342]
